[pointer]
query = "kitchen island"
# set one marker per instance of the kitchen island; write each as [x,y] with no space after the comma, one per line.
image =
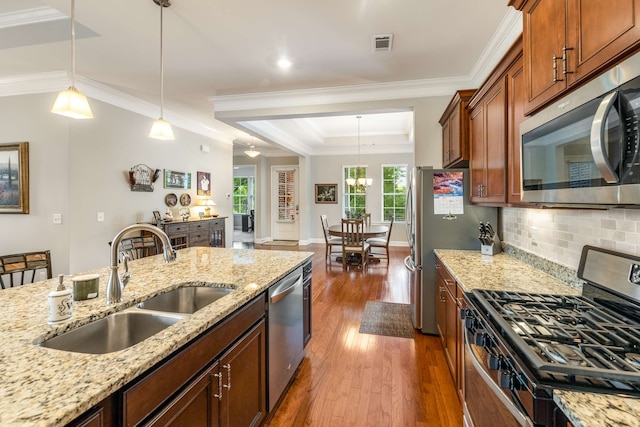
[46,387]
[501,272]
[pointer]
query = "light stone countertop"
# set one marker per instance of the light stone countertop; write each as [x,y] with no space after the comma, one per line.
[46,387]
[502,272]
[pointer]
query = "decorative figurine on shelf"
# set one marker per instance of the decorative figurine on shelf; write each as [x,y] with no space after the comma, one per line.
[185,213]
[168,216]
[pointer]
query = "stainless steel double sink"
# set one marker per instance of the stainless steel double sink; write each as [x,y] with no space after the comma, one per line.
[126,328]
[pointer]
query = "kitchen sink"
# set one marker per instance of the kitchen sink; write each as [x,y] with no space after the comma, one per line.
[185,300]
[115,332]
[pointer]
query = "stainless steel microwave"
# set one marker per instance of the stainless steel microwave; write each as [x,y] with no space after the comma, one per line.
[583,150]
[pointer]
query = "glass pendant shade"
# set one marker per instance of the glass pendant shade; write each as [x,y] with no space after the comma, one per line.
[351,182]
[71,103]
[251,152]
[161,129]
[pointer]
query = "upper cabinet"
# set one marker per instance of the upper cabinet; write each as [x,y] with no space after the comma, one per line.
[455,131]
[492,132]
[568,41]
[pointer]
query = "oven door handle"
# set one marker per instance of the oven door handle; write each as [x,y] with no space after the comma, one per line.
[521,418]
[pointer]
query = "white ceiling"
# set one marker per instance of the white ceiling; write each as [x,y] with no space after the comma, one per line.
[221,55]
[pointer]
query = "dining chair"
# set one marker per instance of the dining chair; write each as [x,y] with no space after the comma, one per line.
[138,247]
[381,242]
[331,241]
[367,219]
[17,266]
[353,242]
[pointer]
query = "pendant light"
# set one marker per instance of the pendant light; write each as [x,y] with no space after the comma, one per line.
[70,102]
[359,181]
[161,129]
[252,152]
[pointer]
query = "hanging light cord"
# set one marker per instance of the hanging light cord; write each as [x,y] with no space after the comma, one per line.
[73,43]
[161,64]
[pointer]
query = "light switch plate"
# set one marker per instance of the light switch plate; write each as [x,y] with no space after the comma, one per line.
[100,216]
[57,218]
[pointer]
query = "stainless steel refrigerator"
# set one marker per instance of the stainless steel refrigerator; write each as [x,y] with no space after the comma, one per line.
[439,216]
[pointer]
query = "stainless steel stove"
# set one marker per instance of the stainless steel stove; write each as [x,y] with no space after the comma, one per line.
[529,344]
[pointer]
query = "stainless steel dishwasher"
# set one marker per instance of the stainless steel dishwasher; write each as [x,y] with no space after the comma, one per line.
[286,336]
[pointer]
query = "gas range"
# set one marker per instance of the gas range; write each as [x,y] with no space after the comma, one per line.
[569,342]
[529,344]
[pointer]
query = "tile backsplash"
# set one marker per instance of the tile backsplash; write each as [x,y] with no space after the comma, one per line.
[559,234]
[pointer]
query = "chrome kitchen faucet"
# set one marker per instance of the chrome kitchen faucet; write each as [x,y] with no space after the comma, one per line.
[116,283]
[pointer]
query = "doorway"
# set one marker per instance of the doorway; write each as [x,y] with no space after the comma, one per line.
[284,203]
[244,185]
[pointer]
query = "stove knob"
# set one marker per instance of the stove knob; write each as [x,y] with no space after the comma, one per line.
[470,321]
[479,338]
[495,362]
[505,379]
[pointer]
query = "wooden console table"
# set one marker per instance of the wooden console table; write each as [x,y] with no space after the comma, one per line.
[195,232]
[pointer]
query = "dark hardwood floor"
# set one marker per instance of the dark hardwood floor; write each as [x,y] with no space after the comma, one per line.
[353,379]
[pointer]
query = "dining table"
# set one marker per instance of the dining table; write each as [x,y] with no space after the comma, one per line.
[373,230]
[369,231]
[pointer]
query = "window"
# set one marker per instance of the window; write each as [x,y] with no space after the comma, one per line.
[243,194]
[394,192]
[355,197]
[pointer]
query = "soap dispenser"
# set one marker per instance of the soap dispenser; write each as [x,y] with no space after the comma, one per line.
[60,303]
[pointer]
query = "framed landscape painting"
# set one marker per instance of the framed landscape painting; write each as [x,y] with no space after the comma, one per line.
[14,178]
[326,193]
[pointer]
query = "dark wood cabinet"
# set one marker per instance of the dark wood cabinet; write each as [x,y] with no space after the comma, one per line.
[197,232]
[448,307]
[150,398]
[306,301]
[568,41]
[488,146]
[455,131]
[515,116]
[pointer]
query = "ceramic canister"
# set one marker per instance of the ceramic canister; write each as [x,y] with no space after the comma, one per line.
[85,286]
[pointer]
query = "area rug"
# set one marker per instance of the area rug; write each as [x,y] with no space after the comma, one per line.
[387,318]
[281,243]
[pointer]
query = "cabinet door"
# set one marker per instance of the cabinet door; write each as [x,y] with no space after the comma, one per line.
[495,144]
[441,310]
[544,38]
[243,367]
[515,90]
[306,312]
[217,233]
[477,144]
[451,349]
[197,405]
[446,143]
[461,305]
[598,31]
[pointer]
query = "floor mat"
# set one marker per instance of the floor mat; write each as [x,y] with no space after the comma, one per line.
[387,318]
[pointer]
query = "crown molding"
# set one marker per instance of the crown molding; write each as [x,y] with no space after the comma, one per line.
[31,16]
[353,93]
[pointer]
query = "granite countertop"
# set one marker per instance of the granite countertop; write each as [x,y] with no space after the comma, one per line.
[45,387]
[502,272]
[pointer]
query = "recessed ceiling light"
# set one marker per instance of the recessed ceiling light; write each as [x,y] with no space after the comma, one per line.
[284,63]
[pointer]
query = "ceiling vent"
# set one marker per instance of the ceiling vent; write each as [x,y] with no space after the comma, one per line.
[382,42]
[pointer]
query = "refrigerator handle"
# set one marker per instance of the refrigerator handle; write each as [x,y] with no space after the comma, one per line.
[410,265]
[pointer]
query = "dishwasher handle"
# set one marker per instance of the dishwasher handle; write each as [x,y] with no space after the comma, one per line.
[289,286]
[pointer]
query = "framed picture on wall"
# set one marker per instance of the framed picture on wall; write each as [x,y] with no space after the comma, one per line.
[173,179]
[326,193]
[14,178]
[203,184]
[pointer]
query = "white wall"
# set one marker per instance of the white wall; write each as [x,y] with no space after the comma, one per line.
[80,167]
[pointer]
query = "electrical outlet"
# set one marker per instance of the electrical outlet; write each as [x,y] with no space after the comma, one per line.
[100,216]
[57,218]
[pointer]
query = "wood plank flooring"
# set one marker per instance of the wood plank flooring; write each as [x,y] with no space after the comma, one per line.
[353,379]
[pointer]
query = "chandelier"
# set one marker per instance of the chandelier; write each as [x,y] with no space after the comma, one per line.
[359,180]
